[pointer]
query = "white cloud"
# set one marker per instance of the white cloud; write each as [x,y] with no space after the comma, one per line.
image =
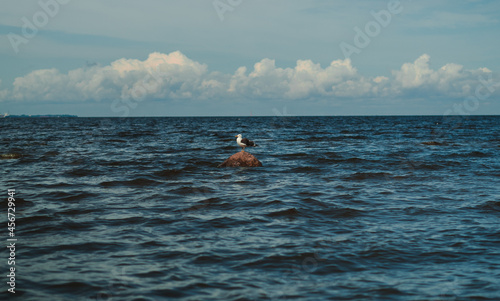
[305,80]
[451,80]
[159,76]
[175,76]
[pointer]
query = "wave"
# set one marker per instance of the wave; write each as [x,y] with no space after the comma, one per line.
[189,190]
[290,213]
[340,212]
[139,182]
[489,206]
[70,196]
[435,143]
[412,210]
[83,172]
[211,203]
[168,173]
[473,154]
[115,141]
[293,156]
[306,169]
[360,176]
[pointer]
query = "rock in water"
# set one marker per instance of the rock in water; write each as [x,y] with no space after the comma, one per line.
[10,156]
[241,159]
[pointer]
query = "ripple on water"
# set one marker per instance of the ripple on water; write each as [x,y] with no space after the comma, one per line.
[136,209]
[138,182]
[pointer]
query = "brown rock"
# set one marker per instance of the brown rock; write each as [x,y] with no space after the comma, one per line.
[241,159]
[10,156]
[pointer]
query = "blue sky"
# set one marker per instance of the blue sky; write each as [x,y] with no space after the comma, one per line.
[250,57]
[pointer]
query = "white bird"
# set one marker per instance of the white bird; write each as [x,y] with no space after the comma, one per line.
[244,142]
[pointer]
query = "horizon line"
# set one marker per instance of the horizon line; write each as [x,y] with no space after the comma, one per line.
[244,116]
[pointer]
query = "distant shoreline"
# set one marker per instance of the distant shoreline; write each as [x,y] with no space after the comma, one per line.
[238,116]
[36,116]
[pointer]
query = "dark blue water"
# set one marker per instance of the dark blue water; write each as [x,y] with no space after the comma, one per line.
[344,208]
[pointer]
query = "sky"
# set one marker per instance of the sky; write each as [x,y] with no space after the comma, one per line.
[250,57]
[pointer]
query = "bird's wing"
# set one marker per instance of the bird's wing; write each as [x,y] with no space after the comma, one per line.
[247,142]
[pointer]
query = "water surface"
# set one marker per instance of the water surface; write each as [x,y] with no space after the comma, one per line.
[344,208]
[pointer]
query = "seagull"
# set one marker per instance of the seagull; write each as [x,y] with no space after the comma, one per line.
[244,142]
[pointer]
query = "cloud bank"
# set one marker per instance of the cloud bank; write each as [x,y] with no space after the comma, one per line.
[174,76]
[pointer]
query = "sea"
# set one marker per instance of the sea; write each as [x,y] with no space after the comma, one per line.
[343,208]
